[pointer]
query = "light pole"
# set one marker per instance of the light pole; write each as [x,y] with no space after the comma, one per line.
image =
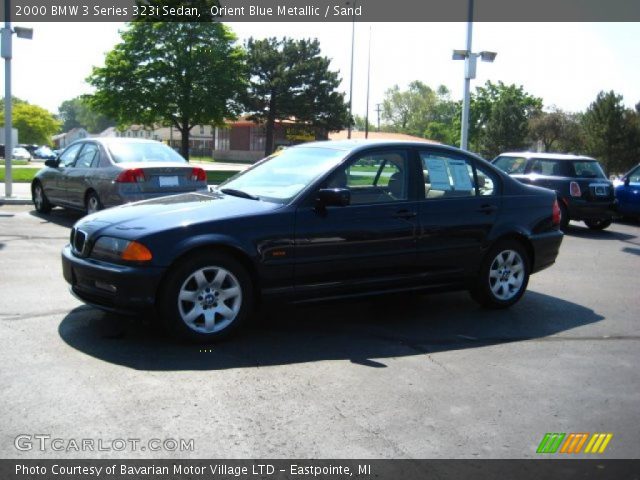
[6,54]
[366,117]
[353,41]
[470,61]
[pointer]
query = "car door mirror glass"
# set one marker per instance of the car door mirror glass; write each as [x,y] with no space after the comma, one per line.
[334,197]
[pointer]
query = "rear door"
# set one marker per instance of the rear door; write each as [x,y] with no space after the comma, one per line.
[460,205]
[368,244]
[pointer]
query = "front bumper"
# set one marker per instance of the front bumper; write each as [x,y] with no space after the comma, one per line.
[546,247]
[119,288]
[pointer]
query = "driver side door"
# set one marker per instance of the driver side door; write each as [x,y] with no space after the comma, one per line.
[367,244]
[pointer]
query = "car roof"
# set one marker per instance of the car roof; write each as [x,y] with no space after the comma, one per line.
[115,140]
[355,145]
[550,156]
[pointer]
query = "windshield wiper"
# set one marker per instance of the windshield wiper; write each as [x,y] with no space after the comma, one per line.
[239,193]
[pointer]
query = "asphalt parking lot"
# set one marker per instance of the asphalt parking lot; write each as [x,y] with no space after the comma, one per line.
[394,377]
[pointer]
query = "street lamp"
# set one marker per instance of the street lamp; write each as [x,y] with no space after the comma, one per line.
[470,61]
[20,32]
[353,41]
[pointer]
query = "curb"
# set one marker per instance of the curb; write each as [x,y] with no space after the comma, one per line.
[15,201]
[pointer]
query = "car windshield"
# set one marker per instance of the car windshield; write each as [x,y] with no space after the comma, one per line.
[511,165]
[281,177]
[127,152]
[588,169]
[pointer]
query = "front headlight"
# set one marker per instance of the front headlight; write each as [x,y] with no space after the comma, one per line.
[111,248]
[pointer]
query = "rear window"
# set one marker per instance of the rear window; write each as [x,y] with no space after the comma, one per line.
[143,152]
[587,169]
[511,165]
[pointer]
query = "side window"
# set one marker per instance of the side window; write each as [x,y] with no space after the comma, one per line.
[634,177]
[546,167]
[487,181]
[89,156]
[375,178]
[68,157]
[446,176]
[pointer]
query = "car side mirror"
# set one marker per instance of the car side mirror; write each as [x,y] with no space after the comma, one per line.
[334,197]
[627,180]
[51,163]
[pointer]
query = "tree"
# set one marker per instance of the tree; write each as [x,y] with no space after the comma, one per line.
[557,131]
[290,79]
[170,73]
[499,118]
[611,132]
[34,124]
[78,112]
[421,111]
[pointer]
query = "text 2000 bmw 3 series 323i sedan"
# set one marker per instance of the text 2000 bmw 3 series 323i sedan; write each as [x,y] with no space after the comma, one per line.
[318,221]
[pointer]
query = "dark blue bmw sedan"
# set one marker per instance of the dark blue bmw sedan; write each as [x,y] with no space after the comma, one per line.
[318,221]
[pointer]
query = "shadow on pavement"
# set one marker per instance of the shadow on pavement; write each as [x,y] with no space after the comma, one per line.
[59,216]
[585,232]
[364,332]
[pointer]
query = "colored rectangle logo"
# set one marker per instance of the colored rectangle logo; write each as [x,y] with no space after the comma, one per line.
[573,443]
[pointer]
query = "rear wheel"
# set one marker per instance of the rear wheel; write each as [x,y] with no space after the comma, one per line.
[93,203]
[206,297]
[598,224]
[40,200]
[504,276]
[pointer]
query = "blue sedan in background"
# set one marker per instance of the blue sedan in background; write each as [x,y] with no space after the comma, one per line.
[628,193]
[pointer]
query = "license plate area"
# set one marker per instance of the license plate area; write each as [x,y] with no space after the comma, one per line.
[168,181]
[601,190]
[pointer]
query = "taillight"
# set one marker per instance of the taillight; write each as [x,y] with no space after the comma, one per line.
[132,175]
[198,175]
[555,216]
[574,189]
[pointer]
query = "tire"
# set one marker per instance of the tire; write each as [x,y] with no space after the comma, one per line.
[504,275]
[39,198]
[564,215]
[598,224]
[206,297]
[92,203]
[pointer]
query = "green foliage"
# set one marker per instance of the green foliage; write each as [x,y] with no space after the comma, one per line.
[558,131]
[290,79]
[180,74]
[612,132]
[34,124]
[421,111]
[78,112]
[500,116]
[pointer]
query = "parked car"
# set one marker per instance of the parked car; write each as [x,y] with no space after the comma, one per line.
[317,221]
[583,190]
[45,153]
[627,192]
[97,173]
[21,153]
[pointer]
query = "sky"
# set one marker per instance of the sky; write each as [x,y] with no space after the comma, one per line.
[566,64]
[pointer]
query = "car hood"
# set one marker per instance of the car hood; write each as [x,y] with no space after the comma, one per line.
[138,219]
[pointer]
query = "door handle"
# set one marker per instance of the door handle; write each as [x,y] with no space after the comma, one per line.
[404,214]
[487,209]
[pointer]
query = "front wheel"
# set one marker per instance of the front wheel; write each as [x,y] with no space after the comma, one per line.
[40,200]
[206,297]
[503,277]
[598,224]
